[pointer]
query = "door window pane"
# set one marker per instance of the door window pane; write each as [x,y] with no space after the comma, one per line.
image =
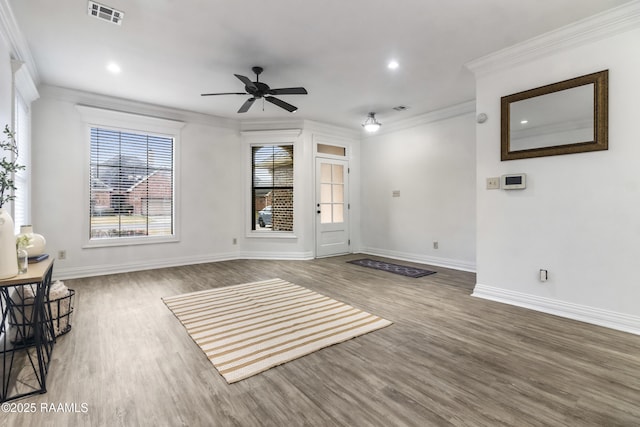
[337,174]
[332,197]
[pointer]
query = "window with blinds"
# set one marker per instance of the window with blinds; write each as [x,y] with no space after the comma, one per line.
[21,203]
[272,188]
[132,184]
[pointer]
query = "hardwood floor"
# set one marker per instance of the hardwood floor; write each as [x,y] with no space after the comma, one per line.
[449,358]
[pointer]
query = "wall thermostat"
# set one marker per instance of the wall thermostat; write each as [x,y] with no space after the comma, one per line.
[516,181]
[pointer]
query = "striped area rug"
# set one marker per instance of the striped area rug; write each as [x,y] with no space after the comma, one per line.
[249,328]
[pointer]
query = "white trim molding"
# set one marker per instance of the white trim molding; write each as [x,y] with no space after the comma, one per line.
[122,119]
[467,107]
[106,102]
[10,32]
[104,118]
[269,137]
[288,256]
[62,273]
[609,319]
[606,24]
[23,82]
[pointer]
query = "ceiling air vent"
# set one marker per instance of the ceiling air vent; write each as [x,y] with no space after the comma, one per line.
[105,13]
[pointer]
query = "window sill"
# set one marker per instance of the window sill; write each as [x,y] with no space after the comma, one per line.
[271,235]
[129,241]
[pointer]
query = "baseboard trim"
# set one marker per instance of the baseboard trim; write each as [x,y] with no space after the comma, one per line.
[405,256]
[597,316]
[62,273]
[295,256]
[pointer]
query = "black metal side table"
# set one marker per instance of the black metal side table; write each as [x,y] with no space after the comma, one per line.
[26,332]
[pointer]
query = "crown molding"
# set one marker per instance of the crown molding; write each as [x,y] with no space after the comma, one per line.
[10,32]
[606,24]
[423,119]
[135,107]
[327,129]
[270,136]
[306,125]
[270,124]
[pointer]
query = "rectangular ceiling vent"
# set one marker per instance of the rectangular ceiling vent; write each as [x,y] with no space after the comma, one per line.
[105,13]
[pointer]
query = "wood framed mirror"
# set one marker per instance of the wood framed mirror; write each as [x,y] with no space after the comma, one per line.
[567,117]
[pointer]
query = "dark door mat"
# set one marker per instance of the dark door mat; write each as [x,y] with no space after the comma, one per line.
[403,270]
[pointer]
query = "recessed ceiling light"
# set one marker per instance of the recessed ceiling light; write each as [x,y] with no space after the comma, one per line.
[392,65]
[113,68]
[524,122]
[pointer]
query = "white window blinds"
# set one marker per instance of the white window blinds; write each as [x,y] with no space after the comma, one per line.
[272,187]
[21,203]
[132,184]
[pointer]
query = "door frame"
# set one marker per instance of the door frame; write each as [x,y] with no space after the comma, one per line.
[347,214]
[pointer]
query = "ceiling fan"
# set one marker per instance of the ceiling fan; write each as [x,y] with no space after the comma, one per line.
[259,90]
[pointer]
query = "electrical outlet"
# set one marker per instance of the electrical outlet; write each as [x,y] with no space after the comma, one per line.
[62,254]
[493,183]
[544,275]
[235,241]
[435,245]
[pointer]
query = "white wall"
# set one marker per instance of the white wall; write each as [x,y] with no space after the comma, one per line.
[211,193]
[579,217]
[433,166]
[209,187]
[302,246]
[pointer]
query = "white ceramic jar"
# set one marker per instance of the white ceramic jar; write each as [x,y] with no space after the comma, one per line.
[8,255]
[37,242]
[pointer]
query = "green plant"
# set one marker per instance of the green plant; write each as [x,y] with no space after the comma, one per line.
[23,241]
[8,166]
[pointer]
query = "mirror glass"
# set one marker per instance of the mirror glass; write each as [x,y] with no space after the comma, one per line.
[562,118]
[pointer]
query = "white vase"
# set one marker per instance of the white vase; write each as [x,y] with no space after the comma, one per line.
[37,242]
[8,255]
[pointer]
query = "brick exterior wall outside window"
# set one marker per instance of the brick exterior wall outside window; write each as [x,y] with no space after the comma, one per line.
[272,177]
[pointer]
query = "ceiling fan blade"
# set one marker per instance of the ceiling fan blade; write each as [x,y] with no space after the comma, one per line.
[289,91]
[280,103]
[247,104]
[248,83]
[223,93]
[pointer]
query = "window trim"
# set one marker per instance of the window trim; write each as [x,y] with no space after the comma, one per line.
[271,137]
[128,122]
[22,178]
[24,91]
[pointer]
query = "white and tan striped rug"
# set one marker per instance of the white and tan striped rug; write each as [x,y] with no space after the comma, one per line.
[249,328]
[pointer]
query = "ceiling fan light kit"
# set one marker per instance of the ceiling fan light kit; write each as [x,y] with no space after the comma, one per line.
[371,124]
[260,90]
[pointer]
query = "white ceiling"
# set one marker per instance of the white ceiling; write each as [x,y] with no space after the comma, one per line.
[171,51]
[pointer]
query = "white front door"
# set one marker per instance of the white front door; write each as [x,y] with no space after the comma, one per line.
[332,207]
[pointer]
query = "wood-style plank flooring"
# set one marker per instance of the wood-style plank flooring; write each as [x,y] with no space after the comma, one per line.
[449,358]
